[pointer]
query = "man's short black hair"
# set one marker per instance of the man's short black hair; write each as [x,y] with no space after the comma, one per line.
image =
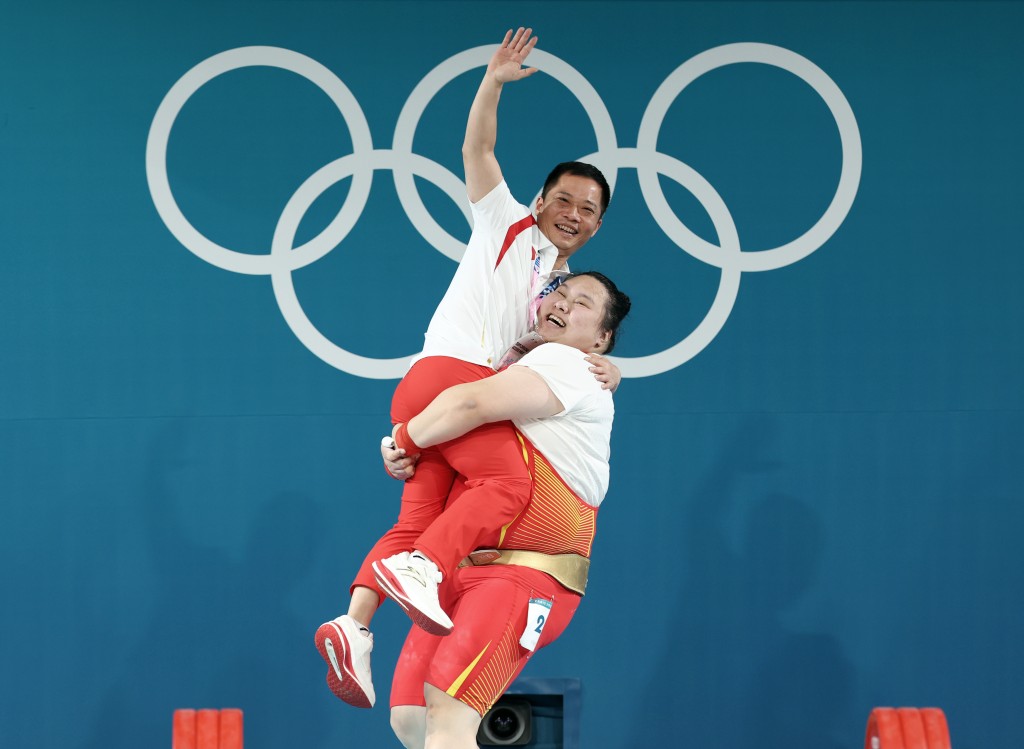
[579,169]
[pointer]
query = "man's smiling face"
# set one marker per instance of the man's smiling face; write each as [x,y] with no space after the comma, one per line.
[570,214]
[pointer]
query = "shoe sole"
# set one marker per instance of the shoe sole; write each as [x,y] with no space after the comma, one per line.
[392,587]
[340,677]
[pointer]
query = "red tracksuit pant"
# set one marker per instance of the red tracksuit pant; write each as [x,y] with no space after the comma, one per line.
[490,458]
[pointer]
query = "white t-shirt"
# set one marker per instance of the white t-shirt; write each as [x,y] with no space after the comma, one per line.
[489,303]
[577,441]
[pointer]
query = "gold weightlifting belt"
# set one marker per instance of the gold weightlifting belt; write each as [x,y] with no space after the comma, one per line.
[568,569]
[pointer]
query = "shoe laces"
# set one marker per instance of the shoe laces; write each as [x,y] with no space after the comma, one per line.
[423,570]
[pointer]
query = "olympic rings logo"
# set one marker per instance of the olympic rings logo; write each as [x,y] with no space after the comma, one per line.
[285,257]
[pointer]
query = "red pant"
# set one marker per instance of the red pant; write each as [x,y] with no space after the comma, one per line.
[476,663]
[490,459]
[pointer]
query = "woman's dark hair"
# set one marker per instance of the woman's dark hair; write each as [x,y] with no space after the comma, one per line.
[579,169]
[615,310]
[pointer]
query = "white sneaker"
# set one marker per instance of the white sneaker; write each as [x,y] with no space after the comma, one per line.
[411,581]
[347,652]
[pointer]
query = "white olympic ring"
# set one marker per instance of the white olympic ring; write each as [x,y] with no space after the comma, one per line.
[283,258]
[284,235]
[160,131]
[849,137]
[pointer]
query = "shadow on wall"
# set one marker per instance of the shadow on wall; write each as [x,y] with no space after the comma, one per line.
[205,644]
[731,674]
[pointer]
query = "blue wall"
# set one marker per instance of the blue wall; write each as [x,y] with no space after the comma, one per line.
[814,512]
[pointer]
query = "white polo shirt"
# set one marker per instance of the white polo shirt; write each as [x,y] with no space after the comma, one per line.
[577,441]
[489,303]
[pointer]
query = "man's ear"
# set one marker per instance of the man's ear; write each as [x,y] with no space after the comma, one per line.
[539,205]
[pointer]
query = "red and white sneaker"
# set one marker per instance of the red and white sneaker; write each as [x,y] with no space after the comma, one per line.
[411,581]
[347,652]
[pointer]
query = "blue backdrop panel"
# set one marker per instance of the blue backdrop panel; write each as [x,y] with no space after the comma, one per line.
[815,502]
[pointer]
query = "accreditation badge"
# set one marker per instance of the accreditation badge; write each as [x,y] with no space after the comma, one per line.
[536,616]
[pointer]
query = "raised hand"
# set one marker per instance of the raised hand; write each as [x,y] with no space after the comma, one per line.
[507,63]
[483,172]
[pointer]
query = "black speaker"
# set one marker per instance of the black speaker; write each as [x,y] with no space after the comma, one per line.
[508,723]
